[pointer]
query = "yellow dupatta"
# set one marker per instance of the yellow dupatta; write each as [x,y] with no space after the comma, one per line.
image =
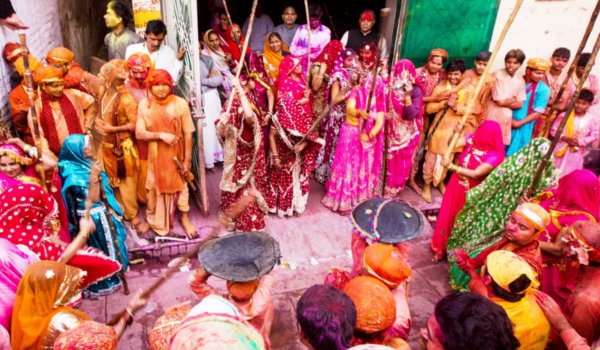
[272,59]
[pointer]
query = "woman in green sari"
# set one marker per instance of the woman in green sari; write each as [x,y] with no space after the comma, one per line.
[481,222]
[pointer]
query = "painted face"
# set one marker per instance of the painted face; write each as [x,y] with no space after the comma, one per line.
[237,32]
[223,22]
[480,66]
[428,340]
[366,24]
[350,62]
[54,89]
[275,43]
[365,55]
[289,16]
[154,41]
[535,74]
[111,19]
[454,77]
[518,230]
[512,65]
[581,106]
[139,75]
[315,22]
[434,65]
[559,63]
[213,41]
[9,167]
[161,91]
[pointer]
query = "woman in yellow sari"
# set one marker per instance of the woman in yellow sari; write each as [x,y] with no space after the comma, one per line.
[275,50]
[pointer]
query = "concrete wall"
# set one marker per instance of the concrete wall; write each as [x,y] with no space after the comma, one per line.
[542,26]
[42,35]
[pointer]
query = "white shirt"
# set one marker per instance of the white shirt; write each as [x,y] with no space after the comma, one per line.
[164,58]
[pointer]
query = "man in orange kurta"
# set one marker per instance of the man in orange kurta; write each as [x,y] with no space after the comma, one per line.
[61,112]
[118,151]
[166,122]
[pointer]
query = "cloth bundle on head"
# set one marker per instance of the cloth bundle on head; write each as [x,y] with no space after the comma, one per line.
[60,55]
[47,74]
[14,53]
[438,52]
[160,335]
[386,263]
[535,215]
[375,305]
[216,332]
[506,267]
[113,69]
[15,153]
[88,335]
[537,63]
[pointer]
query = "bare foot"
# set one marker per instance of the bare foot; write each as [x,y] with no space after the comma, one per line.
[413,186]
[190,230]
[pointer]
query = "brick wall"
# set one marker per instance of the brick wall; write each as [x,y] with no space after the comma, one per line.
[42,35]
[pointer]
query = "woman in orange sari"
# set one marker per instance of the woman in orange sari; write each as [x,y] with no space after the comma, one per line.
[274,52]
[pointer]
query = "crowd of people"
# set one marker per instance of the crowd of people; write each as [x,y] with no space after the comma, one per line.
[98,158]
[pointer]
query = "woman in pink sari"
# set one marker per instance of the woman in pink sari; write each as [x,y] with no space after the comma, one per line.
[19,166]
[576,198]
[292,159]
[483,152]
[403,133]
[359,152]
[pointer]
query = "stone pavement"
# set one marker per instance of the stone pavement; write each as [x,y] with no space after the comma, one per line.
[310,244]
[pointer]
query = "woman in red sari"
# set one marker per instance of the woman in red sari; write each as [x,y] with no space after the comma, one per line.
[234,41]
[244,168]
[16,164]
[484,151]
[292,160]
[576,198]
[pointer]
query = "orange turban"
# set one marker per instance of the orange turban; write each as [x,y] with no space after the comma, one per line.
[375,305]
[139,62]
[386,263]
[242,290]
[47,74]
[538,64]
[87,335]
[60,55]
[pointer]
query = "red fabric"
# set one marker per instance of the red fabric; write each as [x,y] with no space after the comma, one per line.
[368,46]
[583,307]
[530,252]
[47,120]
[532,88]
[329,54]
[159,77]
[231,46]
[74,77]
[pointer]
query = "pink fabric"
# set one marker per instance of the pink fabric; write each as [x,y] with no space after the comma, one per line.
[578,190]
[505,87]
[586,132]
[583,307]
[427,81]
[573,340]
[484,147]
[13,263]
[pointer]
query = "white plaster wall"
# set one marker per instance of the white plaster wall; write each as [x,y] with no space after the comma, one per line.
[43,34]
[542,26]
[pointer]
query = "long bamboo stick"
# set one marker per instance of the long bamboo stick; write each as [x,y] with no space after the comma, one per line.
[566,116]
[483,77]
[308,43]
[549,119]
[386,130]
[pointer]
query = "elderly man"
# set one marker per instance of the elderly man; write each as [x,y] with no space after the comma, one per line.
[162,56]
[354,38]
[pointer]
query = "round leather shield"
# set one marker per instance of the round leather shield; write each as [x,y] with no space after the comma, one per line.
[240,257]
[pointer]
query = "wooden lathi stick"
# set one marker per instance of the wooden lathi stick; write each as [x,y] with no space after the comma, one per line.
[241,60]
[483,78]
[566,117]
[549,117]
[232,212]
[308,43]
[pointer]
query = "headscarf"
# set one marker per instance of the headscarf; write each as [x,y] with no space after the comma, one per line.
[60,55]
[87,335]
[338,65]
[6,182]
[576,191]
[330,53]
[386,263]
[139,62]
[362,94]
[272,58]
[231,46]
[344,75]
[486,146]
[15,153]
[286,67]
[160,77]
[404,72]
[46,289]
[375,304]
[369,46]
[216,332]
[505,267]
[113,69]
[14,260]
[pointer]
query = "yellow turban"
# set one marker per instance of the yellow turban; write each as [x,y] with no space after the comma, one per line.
[33,64]
[537,63]
[504,267]
[535,215]
[60,55]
